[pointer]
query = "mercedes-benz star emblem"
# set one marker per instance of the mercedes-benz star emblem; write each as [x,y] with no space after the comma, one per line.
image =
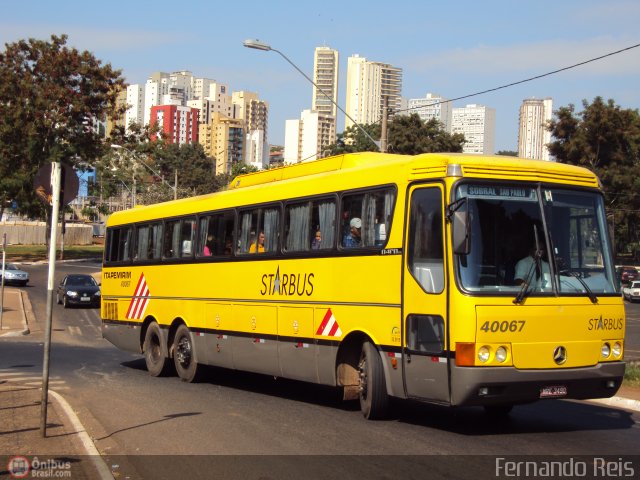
[560,355]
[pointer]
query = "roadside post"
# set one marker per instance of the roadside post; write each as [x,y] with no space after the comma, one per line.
[55,188]
[4,254]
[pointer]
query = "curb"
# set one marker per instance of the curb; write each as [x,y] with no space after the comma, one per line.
[618,402]
[87,444]
[25,325]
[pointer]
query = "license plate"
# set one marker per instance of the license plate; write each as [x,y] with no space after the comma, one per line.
[554,391]
[85,299]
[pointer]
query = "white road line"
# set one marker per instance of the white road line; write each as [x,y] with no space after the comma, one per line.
[32,379]
[75,331]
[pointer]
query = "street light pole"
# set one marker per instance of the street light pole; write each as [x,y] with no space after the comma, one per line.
[258,45]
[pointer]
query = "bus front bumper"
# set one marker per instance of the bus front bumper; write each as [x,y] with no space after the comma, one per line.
[507,385]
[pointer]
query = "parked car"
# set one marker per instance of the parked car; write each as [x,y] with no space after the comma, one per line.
[628,274]
[78,289]
[632,291]
[13,275]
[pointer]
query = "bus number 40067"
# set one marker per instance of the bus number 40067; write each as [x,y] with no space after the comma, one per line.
[506,326]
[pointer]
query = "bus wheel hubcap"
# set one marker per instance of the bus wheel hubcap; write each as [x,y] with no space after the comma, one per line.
[184,351]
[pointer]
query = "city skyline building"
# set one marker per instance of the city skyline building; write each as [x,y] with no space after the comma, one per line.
[248,107]
[478,125]
[307,138]
[177,123]
[432,106]
[223,139]
[325,76]
[368,83]
[533,136]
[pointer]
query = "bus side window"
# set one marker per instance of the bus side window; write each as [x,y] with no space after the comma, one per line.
[171,243]
[425,245]
[187,235]
[425,333]
[366,218]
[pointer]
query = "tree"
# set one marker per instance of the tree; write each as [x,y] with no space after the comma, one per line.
[407,134]
[410,135]
[353,140]
[605,139]
[507,153]
[49,96]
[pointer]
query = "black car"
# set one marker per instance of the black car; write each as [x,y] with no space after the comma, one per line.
[78,289]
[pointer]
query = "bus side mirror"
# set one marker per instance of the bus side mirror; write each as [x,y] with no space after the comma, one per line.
[460,233]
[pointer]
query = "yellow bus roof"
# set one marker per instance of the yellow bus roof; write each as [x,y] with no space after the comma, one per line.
[346,172]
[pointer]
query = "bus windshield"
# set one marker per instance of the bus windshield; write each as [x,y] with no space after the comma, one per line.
[513,228]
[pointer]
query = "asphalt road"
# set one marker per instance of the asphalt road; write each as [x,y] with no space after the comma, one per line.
[140,423]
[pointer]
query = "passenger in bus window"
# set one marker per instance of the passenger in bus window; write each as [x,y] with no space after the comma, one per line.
[527,271]
[353,238]
[208,247]
[317,241]
[258,246]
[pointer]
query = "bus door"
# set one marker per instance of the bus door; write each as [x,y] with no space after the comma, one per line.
[425,366]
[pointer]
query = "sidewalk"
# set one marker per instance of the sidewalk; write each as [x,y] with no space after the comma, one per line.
[67,451]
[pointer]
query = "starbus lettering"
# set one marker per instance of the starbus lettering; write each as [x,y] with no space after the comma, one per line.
[116,275]
[287,284]
[606,323]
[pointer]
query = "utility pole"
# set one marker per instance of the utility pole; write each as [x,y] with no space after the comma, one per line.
[175,185]
[383,125]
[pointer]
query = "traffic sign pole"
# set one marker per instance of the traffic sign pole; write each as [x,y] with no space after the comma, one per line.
[4,253]
[55,184]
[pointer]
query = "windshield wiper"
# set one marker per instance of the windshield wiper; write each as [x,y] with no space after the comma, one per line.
[571,273]
[536,265]
[526,284]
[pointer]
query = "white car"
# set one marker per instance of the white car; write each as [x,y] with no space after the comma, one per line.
[13,275]
[631,292]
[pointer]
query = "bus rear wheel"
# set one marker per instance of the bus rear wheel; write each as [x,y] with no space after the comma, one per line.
[184,355]
[374,401]
[155,352]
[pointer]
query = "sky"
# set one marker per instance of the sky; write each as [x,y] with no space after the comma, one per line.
[452,48]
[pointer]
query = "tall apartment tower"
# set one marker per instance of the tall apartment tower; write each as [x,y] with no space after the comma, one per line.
[430,107]
[367,84]
[478,125]
[325,76]
[533,136]
[135,105]
[177,123]
[307,139]
[255,114]
[223,139]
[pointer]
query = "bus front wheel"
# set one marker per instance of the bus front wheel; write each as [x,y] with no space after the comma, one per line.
[184,355]
[155,353]
[374,401]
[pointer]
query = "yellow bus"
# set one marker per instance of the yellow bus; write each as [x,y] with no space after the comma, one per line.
[453,279]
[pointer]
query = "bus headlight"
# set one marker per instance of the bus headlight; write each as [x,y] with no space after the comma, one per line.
[617,350]
[483,354]
[501,354]
[605,351]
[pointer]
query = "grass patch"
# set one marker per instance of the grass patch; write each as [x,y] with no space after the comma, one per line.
[632,375]
[16,253]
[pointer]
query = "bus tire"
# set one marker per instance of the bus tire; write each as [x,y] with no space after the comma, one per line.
[184,355]
[155,351]
[374,401]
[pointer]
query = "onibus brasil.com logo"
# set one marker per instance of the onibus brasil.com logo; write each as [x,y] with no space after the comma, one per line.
[21,467]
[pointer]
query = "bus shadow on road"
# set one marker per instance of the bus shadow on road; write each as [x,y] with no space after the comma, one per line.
[540,417]
[279,387]
[552,416]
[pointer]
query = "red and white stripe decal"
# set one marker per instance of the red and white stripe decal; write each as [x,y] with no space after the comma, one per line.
[329,326]
[140,300]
